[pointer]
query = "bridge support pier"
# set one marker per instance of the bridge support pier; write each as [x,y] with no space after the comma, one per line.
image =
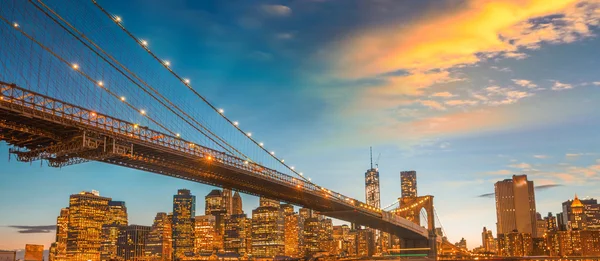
[425,246]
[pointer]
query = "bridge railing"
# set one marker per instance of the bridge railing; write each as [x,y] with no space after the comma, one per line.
[14,95]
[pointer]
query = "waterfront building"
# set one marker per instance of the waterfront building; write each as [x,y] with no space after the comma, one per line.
[591,210]
[515,244]
[462,244]
[228,201]
[235,237]
[206,240]
[184,212]
[215,204]
[131,242]
[115,220]
[6,255]
[88,212]
[551,224]
[34,252]
[58,249]
[268,230]
[515,206]
[294,227]
[159,243]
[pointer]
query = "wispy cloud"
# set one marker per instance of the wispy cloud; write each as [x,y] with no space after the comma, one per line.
[521,165]
[525,83]
[461,102]
[276,10]
[537,188]
[443,95]
[596,83]
[34,229]
[559,86]
[432,104]
[540,156]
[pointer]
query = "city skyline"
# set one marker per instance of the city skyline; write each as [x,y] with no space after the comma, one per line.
[471,122]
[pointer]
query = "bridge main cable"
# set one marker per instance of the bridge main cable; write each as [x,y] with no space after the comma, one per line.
[224,147]
[143,44]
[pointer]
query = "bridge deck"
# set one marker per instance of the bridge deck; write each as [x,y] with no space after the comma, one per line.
[42,128]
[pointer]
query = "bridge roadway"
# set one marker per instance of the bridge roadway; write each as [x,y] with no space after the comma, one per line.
[39,127]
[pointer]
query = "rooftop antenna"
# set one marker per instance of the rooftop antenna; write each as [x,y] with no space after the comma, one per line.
[371,151]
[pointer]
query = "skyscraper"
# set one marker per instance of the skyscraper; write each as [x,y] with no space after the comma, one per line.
[591,209]
[131,242]
[577,218]
[215,205]
[159,243]
[267,230]
[550,222]
[228,201]
[115,220]
[294,226]
[237,204]
[488,242]
[515,206]
[267,202]
[184,212]
[59,252]
[408,181]
[372,186]
[88,212]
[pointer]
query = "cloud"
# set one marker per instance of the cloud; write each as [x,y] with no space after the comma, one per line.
[487,195]
[461,102]
[432,104]
[548,186]
[540,156]
[476,31]
[521,165]
[443,95]
[559,86]
[412,83]
[524,83]
[496,95]
[276,10]
[284,36]
[501,69]
[596,83]
[34,229]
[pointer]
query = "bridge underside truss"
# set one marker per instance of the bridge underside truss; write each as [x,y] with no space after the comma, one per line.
[40,128]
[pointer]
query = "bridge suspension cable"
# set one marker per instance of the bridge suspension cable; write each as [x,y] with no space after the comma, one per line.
[81,72]
[186,82]
[226,146]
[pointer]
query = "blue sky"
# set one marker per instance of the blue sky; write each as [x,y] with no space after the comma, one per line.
[464,92]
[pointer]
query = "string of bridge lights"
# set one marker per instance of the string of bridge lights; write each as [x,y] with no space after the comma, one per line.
[76,67]
[187,82]
[411,206]
[118,20]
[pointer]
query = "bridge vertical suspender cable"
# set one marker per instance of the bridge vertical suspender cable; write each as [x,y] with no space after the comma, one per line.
[143,44]
[224,145]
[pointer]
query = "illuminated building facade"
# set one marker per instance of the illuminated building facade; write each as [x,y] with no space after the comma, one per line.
[159,242]
[88,212]
[550,221]
[591,209]
[215,205]
[408,183]
[267,230]
[184,212]
[364,243]
[267,202]
[577,217]
[237,204]
[206,235]
[58,251]
[515,244]
[228,201]
[488,242]
[116,219]
[312,228]
[305,213]
[294,228]
[34,252]
[462,244]
[236,232]
[131,242]
[515,206]
[326,236]
[372,187]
